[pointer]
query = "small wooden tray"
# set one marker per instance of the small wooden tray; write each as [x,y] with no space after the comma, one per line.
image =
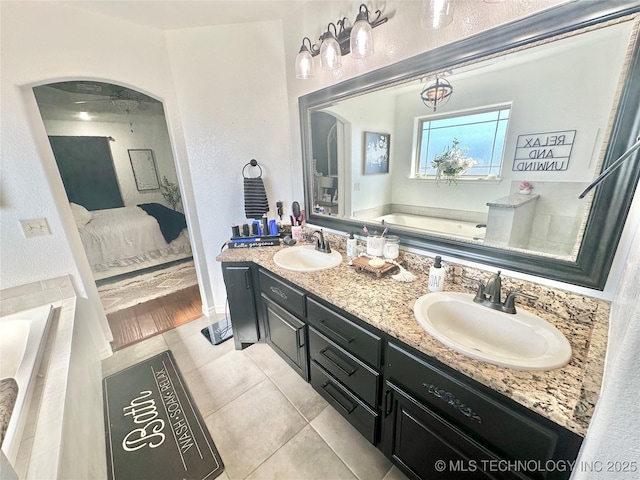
[362,263]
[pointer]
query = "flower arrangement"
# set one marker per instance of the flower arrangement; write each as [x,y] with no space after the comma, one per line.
[525,187]
[452,162]
[170,192]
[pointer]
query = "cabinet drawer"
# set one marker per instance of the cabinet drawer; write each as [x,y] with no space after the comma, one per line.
[345,333]
[510,433]
[352,408]
[357,376]
[283,294]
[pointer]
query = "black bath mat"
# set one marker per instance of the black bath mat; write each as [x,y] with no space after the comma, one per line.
[153,427]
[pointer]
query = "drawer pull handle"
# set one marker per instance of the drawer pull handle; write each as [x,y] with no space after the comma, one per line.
[347,371]
[347,408]
[279,292]
[387,403]
[333,331]
[451,399]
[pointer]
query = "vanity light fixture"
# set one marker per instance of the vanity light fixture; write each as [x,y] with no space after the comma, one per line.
[305,68]
[330,53]
[436,94]
[436,13]
[361,38]
[357,40]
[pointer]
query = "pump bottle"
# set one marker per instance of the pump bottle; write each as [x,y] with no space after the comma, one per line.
[351,246]
[436,276]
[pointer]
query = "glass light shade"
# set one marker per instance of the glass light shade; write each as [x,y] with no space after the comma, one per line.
[330,54]
[361,40]
[436,13]
[305,67]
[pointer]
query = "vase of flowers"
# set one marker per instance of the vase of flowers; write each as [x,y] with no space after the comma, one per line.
[525,188]
[452,163]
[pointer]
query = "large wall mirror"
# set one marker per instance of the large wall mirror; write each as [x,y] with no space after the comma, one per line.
[550,100]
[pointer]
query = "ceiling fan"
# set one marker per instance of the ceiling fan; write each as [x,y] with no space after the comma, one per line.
[122,98]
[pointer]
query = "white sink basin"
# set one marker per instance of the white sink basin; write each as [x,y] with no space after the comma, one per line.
[305,258]
[521,341]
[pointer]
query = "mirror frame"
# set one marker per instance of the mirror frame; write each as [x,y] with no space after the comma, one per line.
[611,200]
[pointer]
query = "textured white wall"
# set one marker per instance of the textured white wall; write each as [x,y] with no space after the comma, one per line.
[231,88]
[44,42]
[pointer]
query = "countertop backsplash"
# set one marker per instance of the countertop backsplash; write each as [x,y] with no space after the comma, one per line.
[566,395]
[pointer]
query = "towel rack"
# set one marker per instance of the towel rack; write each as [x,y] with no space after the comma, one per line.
[611,168]
[252,163]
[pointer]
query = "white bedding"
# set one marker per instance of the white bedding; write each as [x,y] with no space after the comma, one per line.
[118,237]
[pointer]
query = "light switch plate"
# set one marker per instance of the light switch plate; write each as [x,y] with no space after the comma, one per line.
[35,227]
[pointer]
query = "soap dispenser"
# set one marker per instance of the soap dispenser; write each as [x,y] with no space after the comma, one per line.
[351,246]
[436,276]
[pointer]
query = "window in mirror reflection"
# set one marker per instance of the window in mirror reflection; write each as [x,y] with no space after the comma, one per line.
[467,144]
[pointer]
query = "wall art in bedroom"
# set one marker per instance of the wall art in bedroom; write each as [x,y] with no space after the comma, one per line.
[144,169]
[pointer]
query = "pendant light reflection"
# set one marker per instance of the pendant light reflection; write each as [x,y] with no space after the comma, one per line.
[330,54]
[305,68]
[361,41]
[437,94]
[436,13]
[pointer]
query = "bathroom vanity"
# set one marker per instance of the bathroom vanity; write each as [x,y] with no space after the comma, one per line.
[355,339]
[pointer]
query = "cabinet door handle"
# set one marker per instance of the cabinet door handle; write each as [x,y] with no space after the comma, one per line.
[350,407]
[333,331]
[387,403]
[347,371]
[247,280]
[299,338]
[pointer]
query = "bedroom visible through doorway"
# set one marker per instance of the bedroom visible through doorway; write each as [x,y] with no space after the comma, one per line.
[113,151]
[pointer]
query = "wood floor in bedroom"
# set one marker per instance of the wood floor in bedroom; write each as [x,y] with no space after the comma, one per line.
[156,316]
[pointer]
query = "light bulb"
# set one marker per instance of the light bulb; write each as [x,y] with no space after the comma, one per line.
[361,40]
[330,54]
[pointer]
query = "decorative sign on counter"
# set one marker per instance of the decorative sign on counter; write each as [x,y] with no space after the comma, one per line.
[544,152]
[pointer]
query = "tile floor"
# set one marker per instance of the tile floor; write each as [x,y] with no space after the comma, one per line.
[266,422]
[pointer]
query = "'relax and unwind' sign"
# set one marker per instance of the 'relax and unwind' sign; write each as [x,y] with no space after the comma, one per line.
[544,152]
[153,428]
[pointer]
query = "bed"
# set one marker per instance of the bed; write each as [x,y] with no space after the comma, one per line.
[125,239]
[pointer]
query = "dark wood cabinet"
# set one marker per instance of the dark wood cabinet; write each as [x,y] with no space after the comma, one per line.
[287,335]
[240,281]
[473,427]
[425,445]
[284,308]
[429,419]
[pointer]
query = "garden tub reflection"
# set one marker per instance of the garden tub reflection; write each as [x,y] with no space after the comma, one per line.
[436,225]
[22,342]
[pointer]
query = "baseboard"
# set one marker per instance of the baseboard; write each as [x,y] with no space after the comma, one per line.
[212,312]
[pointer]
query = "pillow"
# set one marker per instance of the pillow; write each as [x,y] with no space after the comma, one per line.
[81,215]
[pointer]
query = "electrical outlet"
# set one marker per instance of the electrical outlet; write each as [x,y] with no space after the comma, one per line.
[356,187]
[35,227]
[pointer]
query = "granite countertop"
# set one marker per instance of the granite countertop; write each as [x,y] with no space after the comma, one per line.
[566,395]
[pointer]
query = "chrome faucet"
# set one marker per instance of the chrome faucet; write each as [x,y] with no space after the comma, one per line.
[489,294]
[322,245]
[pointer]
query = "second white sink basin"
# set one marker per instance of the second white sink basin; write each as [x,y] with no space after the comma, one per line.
[305,258]
[521,341]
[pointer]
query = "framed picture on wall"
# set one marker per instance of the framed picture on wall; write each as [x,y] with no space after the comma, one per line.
[376,152]
[144,169]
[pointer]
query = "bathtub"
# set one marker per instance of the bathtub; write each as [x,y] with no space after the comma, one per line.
[438,226]
[22,342]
